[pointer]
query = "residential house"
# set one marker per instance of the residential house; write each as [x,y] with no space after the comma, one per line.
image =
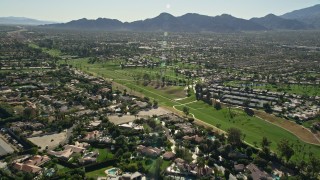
[149,151]
[194,138]
[256,173]
[90,136]
[69,150]
[32,164]
[239,167]
[168,155]
[131,176]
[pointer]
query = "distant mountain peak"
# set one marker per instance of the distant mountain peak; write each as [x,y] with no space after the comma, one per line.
[271,15]
[165,15]
[192,14]
[107,19]
[226,15]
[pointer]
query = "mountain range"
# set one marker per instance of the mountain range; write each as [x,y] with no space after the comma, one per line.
[23,21]
[303,19]
[167,22]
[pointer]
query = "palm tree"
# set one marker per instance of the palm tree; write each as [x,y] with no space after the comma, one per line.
[201,165]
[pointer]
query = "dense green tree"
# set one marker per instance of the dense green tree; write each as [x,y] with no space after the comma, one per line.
[29,113]
[285,149]
[184,154]
[267,108]
[146,79]
[155,104]
[249,111]
[265,142]
[5,111]
[185,110]
[234,136]
[217,105]
[249,151]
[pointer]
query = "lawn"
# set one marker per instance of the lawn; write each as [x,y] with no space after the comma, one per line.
[165,164]
[104,154]
[52,52]
[62,168]
[97,173]
[151,168]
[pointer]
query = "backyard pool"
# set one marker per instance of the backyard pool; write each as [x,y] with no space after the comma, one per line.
[112,171]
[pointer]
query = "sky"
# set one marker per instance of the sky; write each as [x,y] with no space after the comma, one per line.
[131,10]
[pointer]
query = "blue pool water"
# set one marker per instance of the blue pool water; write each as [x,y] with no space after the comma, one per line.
[112,171]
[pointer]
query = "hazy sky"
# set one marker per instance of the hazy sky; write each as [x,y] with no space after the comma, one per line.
[130,10]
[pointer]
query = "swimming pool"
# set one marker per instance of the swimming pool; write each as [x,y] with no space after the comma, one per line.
[112,171]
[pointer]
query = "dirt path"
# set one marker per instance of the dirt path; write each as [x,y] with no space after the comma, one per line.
[301,132]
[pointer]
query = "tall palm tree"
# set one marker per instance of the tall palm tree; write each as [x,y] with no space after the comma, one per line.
[200,165]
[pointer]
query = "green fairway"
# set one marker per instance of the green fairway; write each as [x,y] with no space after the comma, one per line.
[52,52]
[253,128]
[111,70]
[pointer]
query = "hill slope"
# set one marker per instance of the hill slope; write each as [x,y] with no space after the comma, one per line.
[310,15]
[22,21]
[272,21]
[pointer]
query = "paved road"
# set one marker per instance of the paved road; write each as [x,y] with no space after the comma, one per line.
[169,137]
